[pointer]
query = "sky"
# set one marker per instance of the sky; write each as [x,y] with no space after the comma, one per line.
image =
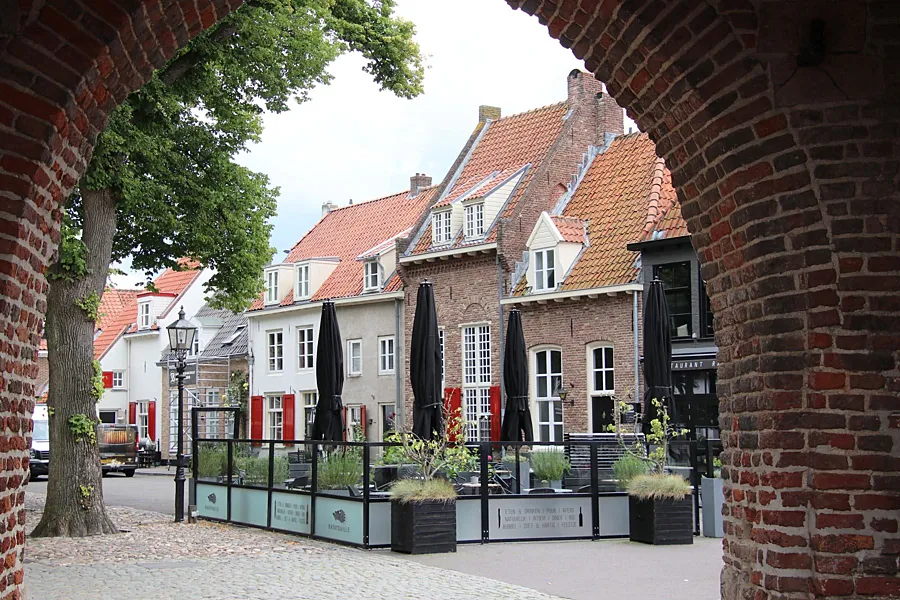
[353,141]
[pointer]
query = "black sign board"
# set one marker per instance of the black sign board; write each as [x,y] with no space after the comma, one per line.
[190,377]
[694,364]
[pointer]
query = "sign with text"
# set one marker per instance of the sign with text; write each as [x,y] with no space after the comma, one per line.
[212,501]
[190,377]
[290,512]
[338,519]
[538,518]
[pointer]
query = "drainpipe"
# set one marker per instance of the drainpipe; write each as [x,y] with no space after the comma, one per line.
[637,352]
[400,417]
[500,327]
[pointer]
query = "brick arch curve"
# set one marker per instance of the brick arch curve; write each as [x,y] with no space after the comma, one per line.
[787,176]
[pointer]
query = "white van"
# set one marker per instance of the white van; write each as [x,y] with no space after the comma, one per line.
[40,442]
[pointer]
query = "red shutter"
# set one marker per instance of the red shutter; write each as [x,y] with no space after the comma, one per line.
[132,413]
[287,417]
[151,420]
[363,422]
[453,402]
[495,413]
[256,418]
[344,422]
[107,379]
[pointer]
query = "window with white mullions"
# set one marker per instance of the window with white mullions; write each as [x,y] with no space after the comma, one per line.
[305,348]
[275,351]
[477,381]
[440,227]
[441,344]
[548,379]
[475,220]
[385,355]
[354,357]
[302,281]
[272,287]
[274,417]
[544,270]
[309,411]
[143,419]
[212,417]
[118,379]
[144,315]
[371,275]
[603,371]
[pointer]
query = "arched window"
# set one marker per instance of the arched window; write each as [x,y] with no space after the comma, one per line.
[547,381]
[601,375]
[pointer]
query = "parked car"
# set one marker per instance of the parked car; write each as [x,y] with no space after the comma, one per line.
[118,448]
[40,443]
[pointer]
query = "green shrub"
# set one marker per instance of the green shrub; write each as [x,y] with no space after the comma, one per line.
[391,455]
[628,467]
[255,469]
[549,465]
[420,490]
[338,470]
[212,461]
[658,487]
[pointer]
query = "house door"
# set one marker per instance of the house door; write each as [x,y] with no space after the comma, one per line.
[387,414]
[548,379]
[602,414]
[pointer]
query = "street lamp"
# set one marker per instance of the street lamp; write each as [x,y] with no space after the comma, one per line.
[181,338]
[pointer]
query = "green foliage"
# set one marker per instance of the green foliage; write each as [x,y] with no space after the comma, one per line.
[339,469]
[71,264]
[83,428]
[90,304]
[717,466]
[549,465]
[439,454]
[212,460]
[627,468]
[661,431]
[419,490]
[97,388]
[255,469]
[391,455]
[85,491]
[657,486]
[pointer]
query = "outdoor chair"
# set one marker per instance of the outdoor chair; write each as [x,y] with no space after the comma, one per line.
[541,491]
[354,493]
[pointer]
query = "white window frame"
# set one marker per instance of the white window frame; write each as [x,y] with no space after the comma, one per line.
[371,275]
[441,339]
[302,289]
[474,218]
[144,319]
[143,419]
[476,398]
[194,350]
[543,276]
[603,369]
[272,296]
[387,353]
[351,371]
[275,351]
[274,417]
[212,417]
[306,352]
[440,227]
[354,418]
[308,399]
[118,380]
[553,379]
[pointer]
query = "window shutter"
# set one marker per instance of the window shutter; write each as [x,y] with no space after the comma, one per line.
[256,418]
[151,420]
[132,413]
[287,417]
[344,422]
[363,422]
[495,413]
[453,402]
[107,379]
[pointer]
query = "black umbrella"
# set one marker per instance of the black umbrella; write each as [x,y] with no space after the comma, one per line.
[657,353]
[328,424]
[425,367]
[517,420]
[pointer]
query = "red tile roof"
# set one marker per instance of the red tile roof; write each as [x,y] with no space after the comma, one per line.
[118,310]
[507,145]
[572,229]
[348,232]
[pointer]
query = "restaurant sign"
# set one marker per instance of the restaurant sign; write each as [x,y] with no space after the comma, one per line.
[694,364]
[190,377]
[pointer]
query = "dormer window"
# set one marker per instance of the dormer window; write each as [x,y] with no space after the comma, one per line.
[302,281]
[371,275]
[475,220]
[544,270]
[144,315]
[272,296]
[440,227]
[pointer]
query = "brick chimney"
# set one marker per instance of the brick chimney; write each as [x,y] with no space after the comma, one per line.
[327,207]
[417,183]
[488,112]
[586,90]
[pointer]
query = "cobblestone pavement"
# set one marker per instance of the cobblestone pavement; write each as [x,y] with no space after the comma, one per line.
[156,559]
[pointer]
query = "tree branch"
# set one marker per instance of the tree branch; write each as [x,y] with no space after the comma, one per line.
[184,63]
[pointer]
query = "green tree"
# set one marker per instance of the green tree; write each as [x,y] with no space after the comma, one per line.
[163,184]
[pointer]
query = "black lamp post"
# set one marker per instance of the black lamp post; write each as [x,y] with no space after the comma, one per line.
[181,338]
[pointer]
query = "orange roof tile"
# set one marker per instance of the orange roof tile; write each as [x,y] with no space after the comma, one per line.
[507,145]
[118,310]
[571,228]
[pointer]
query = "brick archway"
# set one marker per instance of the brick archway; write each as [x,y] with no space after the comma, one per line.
[781,144]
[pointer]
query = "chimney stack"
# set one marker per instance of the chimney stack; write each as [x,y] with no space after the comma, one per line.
[488,112]
[327,207]
[587,91]
[417,183]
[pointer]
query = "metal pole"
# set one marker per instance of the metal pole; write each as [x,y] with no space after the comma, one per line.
[179,457]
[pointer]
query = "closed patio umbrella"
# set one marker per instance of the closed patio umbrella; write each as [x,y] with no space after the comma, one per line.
[328,423]
[517,425]
[425,367]
[657,353]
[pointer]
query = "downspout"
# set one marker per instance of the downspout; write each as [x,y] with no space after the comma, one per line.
[637,354]
[400,417]
[500,327]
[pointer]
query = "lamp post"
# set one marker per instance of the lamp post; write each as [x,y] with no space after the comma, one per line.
[181,337]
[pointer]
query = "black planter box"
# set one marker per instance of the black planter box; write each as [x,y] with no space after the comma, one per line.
[661,522]
[423,527]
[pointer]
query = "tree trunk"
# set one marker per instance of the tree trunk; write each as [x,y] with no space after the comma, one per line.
[74,489]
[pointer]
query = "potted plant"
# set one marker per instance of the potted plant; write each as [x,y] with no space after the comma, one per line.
[389,466]
[627,468]
[339,471]
[660,510]
[549,466]
[712,496]
[423,509]
[522,469]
